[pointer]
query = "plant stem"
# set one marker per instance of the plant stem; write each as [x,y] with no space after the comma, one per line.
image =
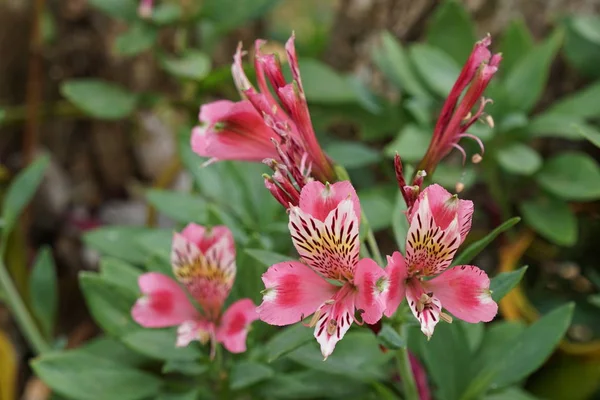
[374,247]
[405,371]
[17,307]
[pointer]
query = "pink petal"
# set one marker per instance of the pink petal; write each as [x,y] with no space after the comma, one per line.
[430,249]
[235,323]
[206,277]
[319,200]
[164,302]
[331,248]
[373,287]
[427,312]
[397,274]
[292,292]
[420,377]
[444,209]
[196,329]
[465,292]
[233,131]
[205,239]
[335,318]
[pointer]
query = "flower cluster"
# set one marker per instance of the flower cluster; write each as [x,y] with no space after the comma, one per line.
[330,286]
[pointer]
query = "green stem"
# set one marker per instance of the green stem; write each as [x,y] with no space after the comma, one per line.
[374,247]
[404,369]
[17,307]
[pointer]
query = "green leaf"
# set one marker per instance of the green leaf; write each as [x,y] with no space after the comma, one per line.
[79,375]
[515,44]
[357,356]
[267,258]
[108,303]
[392,60]
[229,14]
[20,193]
[582,49]
[313,385]
[468,254]
[389,338]
[400,222]
[323,84]
[571,176]
[43,291]
[140,37]
[504,282]
[411,143]
[452,30]
[510,393]
[584,103]
[189,368]
[448,175]
[112,349]
[590,133]
[526,81]
[248,373]
[560,228]
[121,9]
[160,344]
[166,13]
[120,273]
[352,154]
[192,64]
[157,242]
[519,159]
[516,359]
[99,99]
[437,69]
[287,340]
[117,241]
[377,203]
[554,125]
[182,207]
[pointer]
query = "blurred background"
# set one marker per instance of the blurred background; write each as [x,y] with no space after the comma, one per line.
[111,96]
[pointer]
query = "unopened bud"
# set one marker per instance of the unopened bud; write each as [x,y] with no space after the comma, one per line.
[476,159]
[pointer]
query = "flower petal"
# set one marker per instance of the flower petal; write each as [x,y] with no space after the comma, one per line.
[331,248]
[335,318]
[164,302]
[465,291]
[209,277]
[424,307]
[319,200]
[292,292]
[233,131]
[235,323]
[373,287]
[397,274]
[430,249]
[196,329]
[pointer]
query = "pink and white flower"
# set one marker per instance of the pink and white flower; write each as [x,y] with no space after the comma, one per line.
[330,281]
[439,223]
[203,261]
[145,8]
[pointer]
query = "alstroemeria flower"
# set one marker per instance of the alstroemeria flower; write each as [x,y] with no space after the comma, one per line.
[456,118]
[439,223]
[145,8]
[203,261]
[274,129]
[324,229]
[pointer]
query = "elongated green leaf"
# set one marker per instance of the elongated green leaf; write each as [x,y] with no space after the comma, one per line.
[582,49]
[526,81]
[157,243]
[108,303]
[515,43]
[248,373]
[518,158]
[114,350]
[352,154]
[378,205]
[571,176]
[192,64]
[590,133]
[312,385]
[229,14]
[474,249]
[393,61]
[100,99]
[452,30]
[189,368]
[582,104]
[160,344]
[79,375]
[400,222]
[504,282]
[287,340]
[437,69]
[118,241]
[267,258]
[122,9]
[323,84]
[20,192]
[140,37]
[411,143]
[389,338]
[43,291]
[554,125]
[182,207]
[561,228]
[120,273]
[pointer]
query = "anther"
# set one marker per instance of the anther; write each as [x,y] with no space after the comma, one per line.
[476,159]
[445,317]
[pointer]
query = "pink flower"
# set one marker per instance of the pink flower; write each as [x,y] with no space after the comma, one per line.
[274,129]
[324,229]
[439,223]
[145,8]
[456,118]
[204,263]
